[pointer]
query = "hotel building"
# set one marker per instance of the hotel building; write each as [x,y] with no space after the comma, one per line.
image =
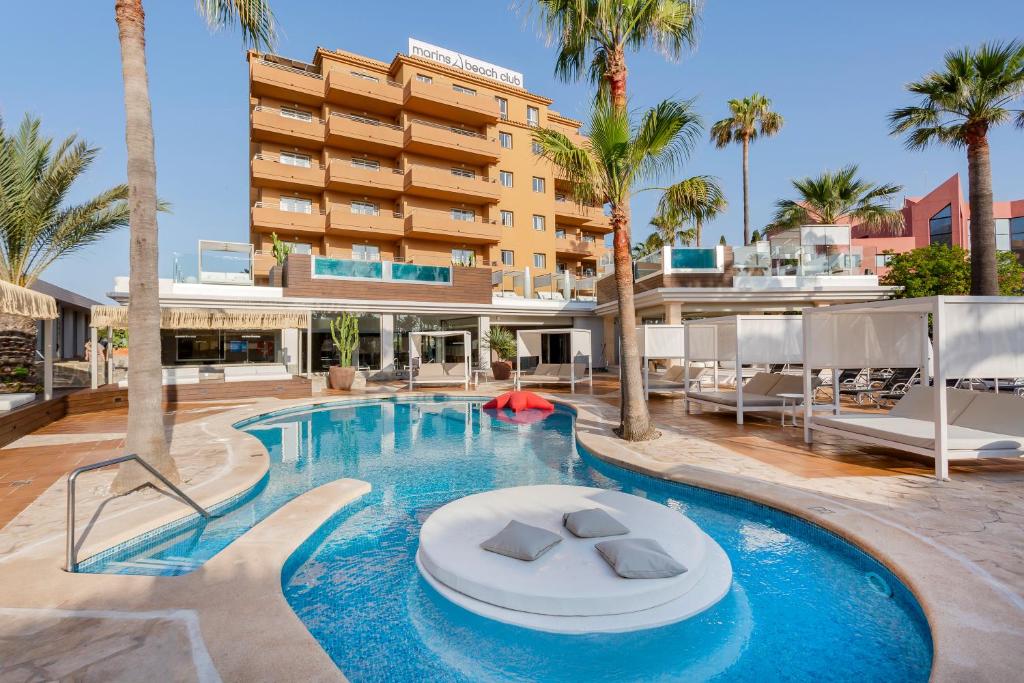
[410,192]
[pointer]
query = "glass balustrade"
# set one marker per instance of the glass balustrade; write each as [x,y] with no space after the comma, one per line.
[348,268]
[411,272]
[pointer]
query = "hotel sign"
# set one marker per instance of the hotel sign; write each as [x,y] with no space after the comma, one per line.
[457,60]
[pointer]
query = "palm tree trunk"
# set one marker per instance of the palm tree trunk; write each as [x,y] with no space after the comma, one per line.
[635,420]
[984,276]
[145,413]
[746,191]
[698,228]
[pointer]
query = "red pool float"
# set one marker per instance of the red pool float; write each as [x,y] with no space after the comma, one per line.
[518,400]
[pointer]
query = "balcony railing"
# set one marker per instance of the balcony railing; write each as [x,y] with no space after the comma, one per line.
[294,70]
[274,110]
[367,120]
[381,271]
[316,165]
[452,129]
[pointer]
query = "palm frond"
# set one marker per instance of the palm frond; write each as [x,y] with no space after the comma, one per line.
[254,18]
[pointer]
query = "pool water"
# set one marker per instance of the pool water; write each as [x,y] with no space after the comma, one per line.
[804,606]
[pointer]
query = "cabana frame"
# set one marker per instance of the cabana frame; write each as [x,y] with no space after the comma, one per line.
[529,345]
[755,339]
[661,342]
[414,355]
[972,336]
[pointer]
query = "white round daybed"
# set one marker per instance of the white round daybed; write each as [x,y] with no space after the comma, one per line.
[570,588]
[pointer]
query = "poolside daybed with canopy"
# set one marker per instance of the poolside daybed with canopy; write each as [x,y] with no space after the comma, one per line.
[21,301]
[529,344]
[439,373]
[755,339]
[972,336]
[665,342]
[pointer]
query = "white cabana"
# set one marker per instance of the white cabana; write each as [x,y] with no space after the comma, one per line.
[530,344]
[439,372]
[739,339]
[972,336]
[662,342]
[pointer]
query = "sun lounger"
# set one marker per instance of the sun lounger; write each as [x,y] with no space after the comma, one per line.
[441,373]
[255,373]
[9,402]
[674,379]
[555,373]
[762,393]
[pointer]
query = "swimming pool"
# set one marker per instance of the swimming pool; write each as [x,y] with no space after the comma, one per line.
[805,605]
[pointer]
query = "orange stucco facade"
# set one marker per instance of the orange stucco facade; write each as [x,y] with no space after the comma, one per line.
[409,160]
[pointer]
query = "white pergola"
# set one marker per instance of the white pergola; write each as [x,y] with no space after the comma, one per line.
[660,342]
[754,339]
[439,373]
[972,336]
[21,301]
[529,344]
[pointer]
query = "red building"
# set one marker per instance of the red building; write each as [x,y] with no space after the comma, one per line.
[943,216]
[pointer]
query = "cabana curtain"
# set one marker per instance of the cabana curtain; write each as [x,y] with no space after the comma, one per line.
[207,318]
[757,339]
[15,300]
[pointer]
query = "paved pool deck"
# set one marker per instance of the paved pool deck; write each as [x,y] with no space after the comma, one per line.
[959,544]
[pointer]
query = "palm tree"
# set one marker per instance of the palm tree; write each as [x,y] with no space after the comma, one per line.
[958,106]
[145,416]
[594,36]
[619,155]
[669,229]
[750,118]
[835,196]
[37,225]
[653,243]
[696,199]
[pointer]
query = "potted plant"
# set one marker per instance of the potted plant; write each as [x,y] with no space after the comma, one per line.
[502,342]
[280,250]
[345,335]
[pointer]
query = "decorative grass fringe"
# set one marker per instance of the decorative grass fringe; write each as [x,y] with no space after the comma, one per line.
[15,300]
[207,318]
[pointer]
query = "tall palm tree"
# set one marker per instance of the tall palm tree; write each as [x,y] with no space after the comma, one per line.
[145,416]
[697,199]
[593,35]
[37,225]
[749,119]
[651,244]
[669,229]
[835,196]
[619,155]
[957,107]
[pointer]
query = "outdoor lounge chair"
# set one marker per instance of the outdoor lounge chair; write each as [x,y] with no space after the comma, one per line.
[762,393]
[441,373]
[553,373]
[872,391]
[674,379]
[254,373]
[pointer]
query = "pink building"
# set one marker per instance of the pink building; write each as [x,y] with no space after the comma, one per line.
[943,216]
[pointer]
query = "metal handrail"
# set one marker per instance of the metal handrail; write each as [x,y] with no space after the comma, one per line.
[365,119]
[285,67]
[312,119]
[451,129]
[72,554]
[277,160]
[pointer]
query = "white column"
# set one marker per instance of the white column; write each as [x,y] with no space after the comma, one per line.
[739,375]
[483,351]
[309,346]
[290,349]
[527,283]
[49,328]
[387,343]
[110,355]
[94,369]
[808,390]
[941,409]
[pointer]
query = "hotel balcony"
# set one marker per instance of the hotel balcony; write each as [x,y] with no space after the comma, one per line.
[364,93]
[383,181]
[443,101]
[268,217]
[439,183]
[274,125]
[573,213]
[575,248]
[438,225]
[383,226]
[450,143]
[288,83]
[268,171]
[363,134]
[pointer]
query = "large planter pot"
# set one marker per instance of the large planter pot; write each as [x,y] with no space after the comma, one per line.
[501,369]
[341,378]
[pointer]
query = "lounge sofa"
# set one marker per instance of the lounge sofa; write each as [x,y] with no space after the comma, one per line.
[981,424]
[255,373]
[440,373]
[174,376]
[761,393]
[9,402]
[555,373]
[674,378]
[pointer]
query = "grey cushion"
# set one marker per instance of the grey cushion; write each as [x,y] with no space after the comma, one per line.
[592,523]
[521,541]
[639,558]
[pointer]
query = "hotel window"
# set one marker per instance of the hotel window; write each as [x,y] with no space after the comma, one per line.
[882,260]
[370,164]
[508,257]
[365,252]
[940,227]
[423,78]
[1017,233]
[1003,234]
[298,247]
[463,89]
[365,76]
[538,222]
[506,219]
[560,233]
[505,139]
[290,113]
[589,239]
[538,184]
[295,159]
[537,149]
[296,205]
[506,178]
[365,208]
[502,107]
[540,261]
[463,257]
[463,215]
[463,172]
[532,116]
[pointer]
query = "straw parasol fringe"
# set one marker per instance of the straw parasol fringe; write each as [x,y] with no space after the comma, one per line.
[15,300]
[207,318]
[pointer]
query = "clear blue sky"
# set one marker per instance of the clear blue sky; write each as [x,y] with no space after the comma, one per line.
[833,69]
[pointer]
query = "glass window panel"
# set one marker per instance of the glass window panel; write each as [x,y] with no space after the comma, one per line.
[540,260]
[505,139]
[508,257]
[295,159]
[371,164]
[463,215]
[296,205]
[506,178]
[365,208]
[940,227]
[507,219]
[538,184]
[538,222]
